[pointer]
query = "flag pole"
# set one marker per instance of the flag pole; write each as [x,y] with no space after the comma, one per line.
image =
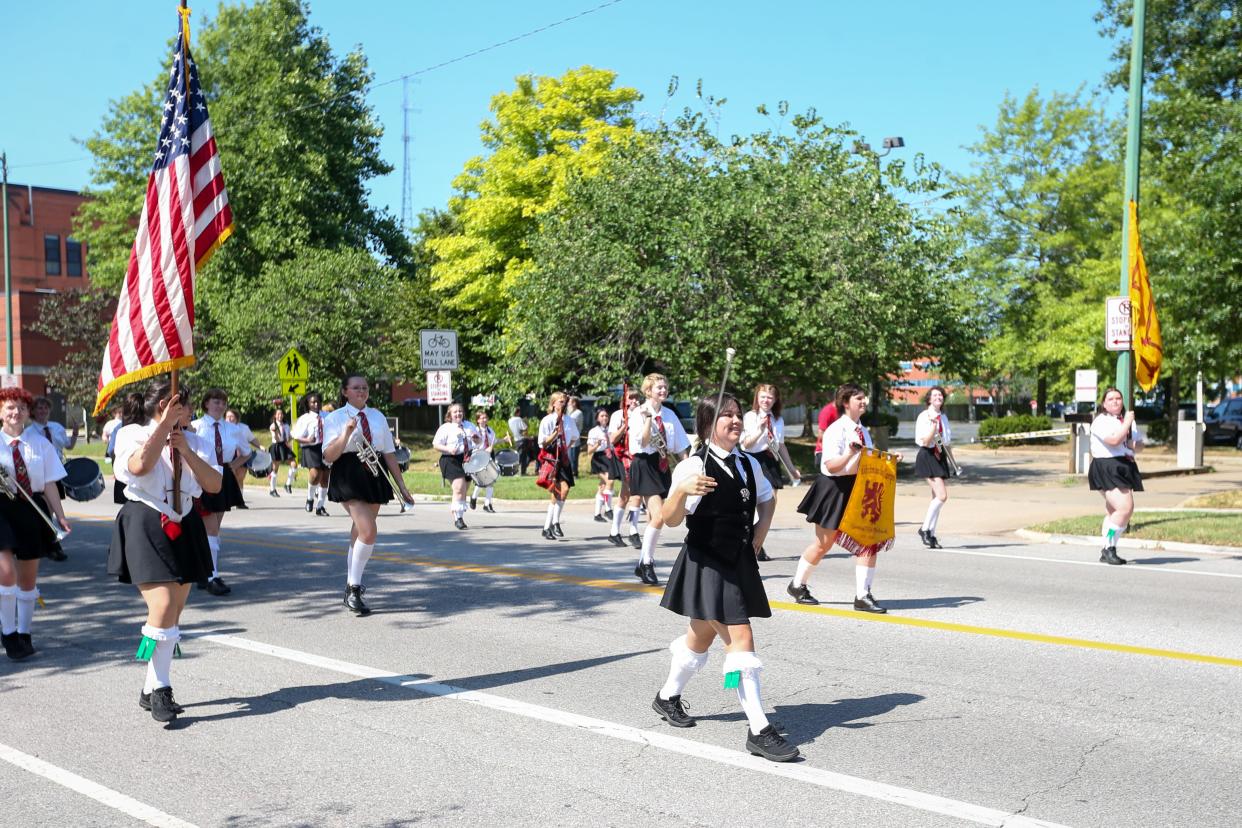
[176,458]
[1134,131]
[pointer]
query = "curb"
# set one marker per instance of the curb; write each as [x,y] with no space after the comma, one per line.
[1131,543]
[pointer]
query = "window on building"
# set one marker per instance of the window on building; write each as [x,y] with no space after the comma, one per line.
[51,255]
[73,257]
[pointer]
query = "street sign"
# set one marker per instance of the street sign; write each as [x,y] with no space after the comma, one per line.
[294,371]
[439,387]
[439,350]
[8,380]
[483,400]
[1086,385]
[1117,331]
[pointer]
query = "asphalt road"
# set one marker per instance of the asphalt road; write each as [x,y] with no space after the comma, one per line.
[507,680]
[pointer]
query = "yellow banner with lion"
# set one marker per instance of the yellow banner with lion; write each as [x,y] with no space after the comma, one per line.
[867,525]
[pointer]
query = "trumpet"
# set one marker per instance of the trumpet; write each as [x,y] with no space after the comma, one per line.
[370,458]
[658,442]
[11,489]
[954,468]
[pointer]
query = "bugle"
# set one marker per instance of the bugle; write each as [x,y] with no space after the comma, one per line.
[375,464]
[954,468]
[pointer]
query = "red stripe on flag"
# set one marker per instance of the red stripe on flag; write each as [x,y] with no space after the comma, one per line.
[159,293]
[181,250]
[204,197]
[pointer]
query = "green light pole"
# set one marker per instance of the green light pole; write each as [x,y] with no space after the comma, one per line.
[8,282]
[1134,132]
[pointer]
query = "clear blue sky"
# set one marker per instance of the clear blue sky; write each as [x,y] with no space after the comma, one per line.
[929,72]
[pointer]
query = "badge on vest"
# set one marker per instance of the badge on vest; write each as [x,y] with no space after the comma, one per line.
[745,495]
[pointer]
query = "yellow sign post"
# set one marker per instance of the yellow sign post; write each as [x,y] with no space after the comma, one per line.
[294,373]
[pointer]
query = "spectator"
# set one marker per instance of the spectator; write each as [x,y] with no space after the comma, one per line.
[827,416]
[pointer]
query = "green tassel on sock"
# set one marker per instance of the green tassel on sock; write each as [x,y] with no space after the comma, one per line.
[1112,537]
[146,649]
[732,680]
[177,650]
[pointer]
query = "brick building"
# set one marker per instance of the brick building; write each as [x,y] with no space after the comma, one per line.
[44,258]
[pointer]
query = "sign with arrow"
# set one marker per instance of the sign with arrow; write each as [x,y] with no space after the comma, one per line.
[1117,330]
[294,372]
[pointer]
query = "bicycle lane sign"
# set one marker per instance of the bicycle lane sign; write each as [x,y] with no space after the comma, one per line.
[439,350]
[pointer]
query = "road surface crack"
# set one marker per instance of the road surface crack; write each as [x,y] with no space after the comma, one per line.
[1073,777]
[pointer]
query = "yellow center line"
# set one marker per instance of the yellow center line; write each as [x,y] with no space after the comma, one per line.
[852,615]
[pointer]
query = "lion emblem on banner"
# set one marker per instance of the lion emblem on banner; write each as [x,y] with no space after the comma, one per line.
[873,501]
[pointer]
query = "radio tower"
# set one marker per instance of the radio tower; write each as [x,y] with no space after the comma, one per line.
[407,179]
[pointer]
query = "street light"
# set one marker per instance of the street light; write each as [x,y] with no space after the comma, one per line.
[891,143]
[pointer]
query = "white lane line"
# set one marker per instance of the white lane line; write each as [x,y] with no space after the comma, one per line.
[1136,564]
[674,744]
[106,796]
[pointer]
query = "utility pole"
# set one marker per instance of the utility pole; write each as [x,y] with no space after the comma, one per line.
[8,279]
[407,183]
[1134,132]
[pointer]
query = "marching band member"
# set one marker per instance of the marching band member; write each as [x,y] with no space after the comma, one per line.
[650,474]
[574,412]
[604,462]
[522,444]
[557,433]
[1113,473]
[30,465]
[158,544]
[931,462]
[132,400]
[484,438]
[229,452]
[763,436]
[631,506]
[42,424]
[353,484]
[282,452]
[308,431]
[250,442]
[453,441]
[824,505]
[715,580]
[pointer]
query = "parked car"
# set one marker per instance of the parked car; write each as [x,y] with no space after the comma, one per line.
[1224,423]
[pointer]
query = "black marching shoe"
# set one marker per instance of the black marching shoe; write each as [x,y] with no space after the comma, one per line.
[673,711]
[217,586]
[273,493]
[13,646]
[600,518]
[762,555]
[1109,555]
[144,701]
[556,530]
[932,542]
[636,541]
[163,708]
[474,501]
[615,540]
[322,512]
[547,534]
[923,536]
[459,523]
[288,488]
[487,507]
[801,594]
[310,505]
[770,745]
[608,514]
[55,553]
[27,644]
[867,604]
[241,506]
[354,602]
[646,574]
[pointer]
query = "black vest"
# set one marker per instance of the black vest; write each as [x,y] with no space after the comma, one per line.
[723,525]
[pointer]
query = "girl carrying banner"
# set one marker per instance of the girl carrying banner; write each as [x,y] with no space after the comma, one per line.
[1113,473]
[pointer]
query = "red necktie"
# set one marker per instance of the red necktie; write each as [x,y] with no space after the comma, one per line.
[318,429]
[219,446]
[862,441]
[366,426]
[940,431]
[19,468]
[659,423]
[767,424]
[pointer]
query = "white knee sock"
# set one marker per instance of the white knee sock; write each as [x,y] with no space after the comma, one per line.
[361,553]
[475,494]
[599,503]
[490,489]
[453,509]
[617,515]
[1110,532]
[322,496]
[547,518]
[310,491]
[803,572]
[213,542]
[160,665]
[25,608]
[557,508]
[686,662]
[607,500]
[933,515]
[634,520]
[748,687]
[650,537]
[8,609]
[863,576]
[292,474]
[271,480]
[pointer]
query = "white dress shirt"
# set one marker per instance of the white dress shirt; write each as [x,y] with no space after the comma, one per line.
[42,462]
[232,440]
[381,435]
[674,435]
[753,425]
[925,429]
[1106,425]
[453,436]
[693,465]
[548,425]
[59,438]
[837,440]
[597,439]
[308,428]
[154,488]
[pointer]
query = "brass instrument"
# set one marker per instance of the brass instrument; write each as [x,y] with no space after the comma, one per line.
[954,468]
[375,464]
[10,487]
[657,440]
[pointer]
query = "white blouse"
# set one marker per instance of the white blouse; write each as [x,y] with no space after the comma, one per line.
[452,436]
[837,440]
[1106,425]
[755,424]
[381,435]
[693,465]
[674,435]
[232,440]
[925,429]
[548,425]
[597,439]
[154,489]
[41,458]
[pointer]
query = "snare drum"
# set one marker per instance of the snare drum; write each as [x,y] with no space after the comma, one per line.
[509,461]
[402,455]
[260,463]
[482,468]
[83,480]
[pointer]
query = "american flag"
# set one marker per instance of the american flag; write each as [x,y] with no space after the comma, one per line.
[185,217]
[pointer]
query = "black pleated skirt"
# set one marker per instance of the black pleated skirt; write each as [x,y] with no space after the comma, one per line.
[351,480]
[646,478]
[703,586]
[281,453]
[451,466]
[927,464]
[824,503]
[312,456]
[118,493]
[22,531]
[770,466]
[141,553]
[230,494]
[601,463]
[1108,473]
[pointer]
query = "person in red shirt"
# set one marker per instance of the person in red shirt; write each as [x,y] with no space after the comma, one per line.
[827,416]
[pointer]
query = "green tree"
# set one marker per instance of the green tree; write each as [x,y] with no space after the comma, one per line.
[544,131]
[1191,172]
[1040,219]
[78,320]
[785,246]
